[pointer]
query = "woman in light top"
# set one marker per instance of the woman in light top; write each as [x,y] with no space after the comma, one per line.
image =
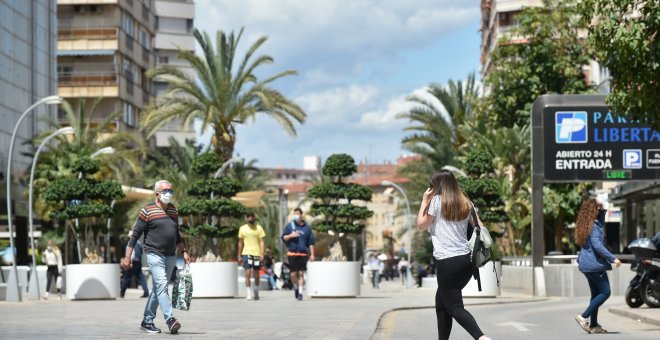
[52,257]
[445,212]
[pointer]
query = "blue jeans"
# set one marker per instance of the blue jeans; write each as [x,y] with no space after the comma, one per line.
[161,270]
[600,292]
[136,271]
[271,280]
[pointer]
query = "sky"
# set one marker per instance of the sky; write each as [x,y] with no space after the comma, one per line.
[356,60]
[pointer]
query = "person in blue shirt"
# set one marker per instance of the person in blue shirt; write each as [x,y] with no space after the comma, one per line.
[594,261]
[134,270]
[299,240]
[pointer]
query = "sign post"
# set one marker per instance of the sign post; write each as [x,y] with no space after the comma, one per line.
[576,138]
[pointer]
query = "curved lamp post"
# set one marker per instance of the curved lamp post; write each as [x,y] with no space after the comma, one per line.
[455,169]
[64,130]
[224,166]
[13,292]
[405,197]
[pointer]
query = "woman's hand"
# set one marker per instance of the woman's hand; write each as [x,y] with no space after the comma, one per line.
[427,195]
[617,262]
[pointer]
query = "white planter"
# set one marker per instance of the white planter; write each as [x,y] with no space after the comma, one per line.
[489,286]
[92,281]
[333,279]
[214,279]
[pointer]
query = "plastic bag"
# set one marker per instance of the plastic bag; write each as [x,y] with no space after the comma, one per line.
[182,289]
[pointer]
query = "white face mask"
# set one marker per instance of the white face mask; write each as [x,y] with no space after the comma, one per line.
[296,218]
[166,198]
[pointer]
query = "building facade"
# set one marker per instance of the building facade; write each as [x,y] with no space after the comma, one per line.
[174,30]
[28,33]
[104,48]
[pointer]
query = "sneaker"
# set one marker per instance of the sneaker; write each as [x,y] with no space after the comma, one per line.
[583,322]
[174,325]
[256,295]
[46,296]
[295,291]
[59,297]
[300,297]
[248,294]
[149,328]
[144,296]
[597,330]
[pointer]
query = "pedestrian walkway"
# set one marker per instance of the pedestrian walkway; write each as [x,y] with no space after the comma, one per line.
[277,315]
[641,314]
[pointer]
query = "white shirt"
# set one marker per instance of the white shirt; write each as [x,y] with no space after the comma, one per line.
[52,258]
[449,238]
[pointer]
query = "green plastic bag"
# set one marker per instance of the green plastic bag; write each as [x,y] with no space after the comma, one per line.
[182,289]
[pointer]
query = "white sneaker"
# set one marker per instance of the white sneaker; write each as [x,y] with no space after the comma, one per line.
[248,294]
[46,296]
[59,297]
[583,322]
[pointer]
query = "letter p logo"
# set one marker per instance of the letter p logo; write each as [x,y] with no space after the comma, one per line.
[632,159]
[570,127]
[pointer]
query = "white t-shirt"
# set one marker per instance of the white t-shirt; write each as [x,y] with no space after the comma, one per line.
[449,237]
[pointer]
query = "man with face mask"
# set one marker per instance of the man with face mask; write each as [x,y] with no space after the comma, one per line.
[300,242]
[159,222]
[251,253]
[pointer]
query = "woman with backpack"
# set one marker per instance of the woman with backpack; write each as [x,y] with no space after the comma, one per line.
[594,261]
[445,213]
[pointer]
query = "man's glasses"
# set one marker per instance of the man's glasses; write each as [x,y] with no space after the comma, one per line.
[167,191]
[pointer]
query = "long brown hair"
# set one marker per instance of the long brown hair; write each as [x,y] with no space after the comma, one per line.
[455,205]
[585,220]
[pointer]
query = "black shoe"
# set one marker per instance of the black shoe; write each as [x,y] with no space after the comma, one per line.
[144,296]
[149,328]
[174,325]
[296,293]
[300,297]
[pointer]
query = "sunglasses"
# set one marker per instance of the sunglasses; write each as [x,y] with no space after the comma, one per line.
[167,191]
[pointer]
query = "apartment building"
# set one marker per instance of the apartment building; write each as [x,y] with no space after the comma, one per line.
[104,48]
[174,30]
[498,18]
[27,74]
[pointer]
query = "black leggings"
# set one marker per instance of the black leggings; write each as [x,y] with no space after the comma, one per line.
[453,274]
[50,274]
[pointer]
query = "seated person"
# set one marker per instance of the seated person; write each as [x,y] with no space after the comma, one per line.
[267,274]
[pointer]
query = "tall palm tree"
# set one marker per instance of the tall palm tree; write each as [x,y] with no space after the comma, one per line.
[434,122]
[221,95]
[249,175]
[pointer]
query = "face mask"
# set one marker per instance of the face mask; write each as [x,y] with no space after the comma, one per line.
[251,221]
[601,216]
[296,218]
[166,197]
[50,248]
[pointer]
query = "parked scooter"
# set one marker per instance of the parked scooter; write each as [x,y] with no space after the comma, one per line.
[644,288]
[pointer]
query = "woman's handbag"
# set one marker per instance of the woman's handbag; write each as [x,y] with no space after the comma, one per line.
[481,243]
[182,289]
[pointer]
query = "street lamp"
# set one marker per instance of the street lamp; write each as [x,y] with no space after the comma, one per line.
[405,197]
[102,151]
[454,169]
[64,130]
[13,292]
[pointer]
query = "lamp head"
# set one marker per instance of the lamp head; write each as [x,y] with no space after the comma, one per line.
[65,131]
[52,100]
[386,183]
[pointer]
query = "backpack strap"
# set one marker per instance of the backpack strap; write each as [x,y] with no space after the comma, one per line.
[477,229]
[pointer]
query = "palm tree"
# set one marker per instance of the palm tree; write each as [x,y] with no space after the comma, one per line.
[89,136]
[249,175]
[435,135]
[220,95]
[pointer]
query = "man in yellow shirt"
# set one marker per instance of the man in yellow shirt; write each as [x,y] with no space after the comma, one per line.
[251,253]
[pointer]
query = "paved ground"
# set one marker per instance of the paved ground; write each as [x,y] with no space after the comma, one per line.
[279,316]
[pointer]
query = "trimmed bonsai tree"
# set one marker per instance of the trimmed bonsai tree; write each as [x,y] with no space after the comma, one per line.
[84,205]
[210,212]
[335,208]
[484,190]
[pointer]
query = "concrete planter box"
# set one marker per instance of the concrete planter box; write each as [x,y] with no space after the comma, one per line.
[92,281]
[333,279]
[214,279]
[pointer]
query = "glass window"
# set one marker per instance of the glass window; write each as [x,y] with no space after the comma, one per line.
[128,24]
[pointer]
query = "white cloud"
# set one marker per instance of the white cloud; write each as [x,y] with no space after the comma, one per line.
[337,106]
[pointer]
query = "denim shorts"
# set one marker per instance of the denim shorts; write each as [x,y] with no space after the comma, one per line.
[251,262]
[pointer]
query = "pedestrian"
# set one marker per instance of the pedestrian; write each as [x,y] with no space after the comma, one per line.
[251,253]
[299,240]
[374,268]
[159,222]
[134,270]
[445,212]
[402,267]
[594,261]
[52,257]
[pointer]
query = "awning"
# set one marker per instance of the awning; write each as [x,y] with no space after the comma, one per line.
[73,53]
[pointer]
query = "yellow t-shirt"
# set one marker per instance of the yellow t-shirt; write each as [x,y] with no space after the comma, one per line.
[251,237]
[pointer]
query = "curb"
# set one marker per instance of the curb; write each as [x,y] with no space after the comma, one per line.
[382,316]
[635,316]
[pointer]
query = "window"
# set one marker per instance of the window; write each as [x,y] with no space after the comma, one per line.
[128,25]
[189,25]
[163,60]
[129,114]
[129,70]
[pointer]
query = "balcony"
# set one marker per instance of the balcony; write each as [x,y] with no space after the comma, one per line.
[84,37]
[87,84]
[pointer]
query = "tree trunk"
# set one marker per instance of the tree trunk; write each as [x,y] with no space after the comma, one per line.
[223,147]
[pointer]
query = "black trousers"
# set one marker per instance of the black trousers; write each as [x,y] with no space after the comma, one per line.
[453,274]
[51,274]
